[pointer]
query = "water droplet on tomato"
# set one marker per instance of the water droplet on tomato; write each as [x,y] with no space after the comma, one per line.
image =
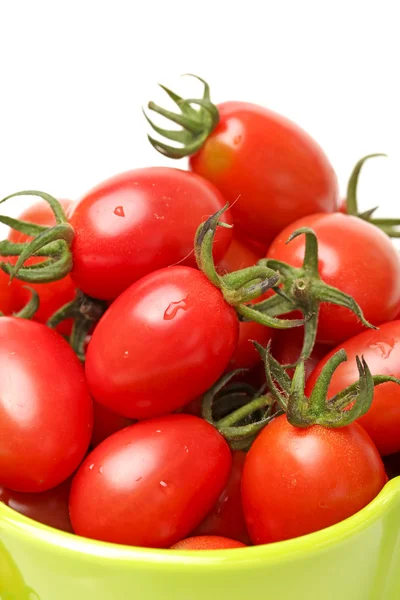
[383,348]
[101,470]
[119,211]
[126,354]
[91,466]
[173,309]
[158,430]
[186,449]
[163,484]
[139,478]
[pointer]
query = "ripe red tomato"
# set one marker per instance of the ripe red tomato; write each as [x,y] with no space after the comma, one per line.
[207,542]
[106,422]
[352,253]
[176,335]
[381,350]
[138,222]
[274,171]
[52,295]
[46,413]
[296,481]
[151,483]
[50,507]
[226,519]
[286,349]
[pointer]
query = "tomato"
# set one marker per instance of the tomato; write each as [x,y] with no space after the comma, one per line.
[352,253]
[274,171]
[207,542]
[151,483]
[240,256]
[296,481]
[286,349]
[46,413]
[50,507]
[106,422]
[6,294]
[226,519]
[381,350]
[176,335]
[138,222]
[52,295]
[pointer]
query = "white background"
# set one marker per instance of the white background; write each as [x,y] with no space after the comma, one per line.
[75,74]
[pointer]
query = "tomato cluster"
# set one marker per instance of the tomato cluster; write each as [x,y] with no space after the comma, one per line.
[204,358]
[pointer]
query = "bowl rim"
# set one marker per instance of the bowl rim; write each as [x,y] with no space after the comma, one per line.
[63,542]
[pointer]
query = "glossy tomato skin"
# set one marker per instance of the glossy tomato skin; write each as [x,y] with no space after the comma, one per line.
[297,481]
[270,170]
[52,295]
[176,335]
[355,257]
[151,483]
[50,507]
[207,542]
[106,422]
[138,222]
[46,413]
[226,518]
[381,350]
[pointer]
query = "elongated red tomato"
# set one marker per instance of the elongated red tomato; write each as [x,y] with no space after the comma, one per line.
[138,222]
[52,295]
[50,507]
[176,335]
[381,350]
[207,542]
[268,168]
[151,483]
[352,254]
[296,481]
[46,413]
[226,518]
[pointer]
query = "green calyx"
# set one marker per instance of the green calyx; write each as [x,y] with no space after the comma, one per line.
[389,226]
[54,243]
[303,289]
[240,287]
[85,312]
[196,123]
[30,309]
[238,410]
[344,408]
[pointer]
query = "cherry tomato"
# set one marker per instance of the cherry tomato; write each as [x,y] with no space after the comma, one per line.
[381,350]
[269,169]
[352,254]
[50,507]
[207,542]
[226,519]
[138,222]
[106,422]
[52,295]
[296,481]
[239,256]
[176,335]
[46,413]
[151,483]
[286,349]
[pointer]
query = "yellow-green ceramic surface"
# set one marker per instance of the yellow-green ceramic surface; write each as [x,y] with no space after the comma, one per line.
[358,559]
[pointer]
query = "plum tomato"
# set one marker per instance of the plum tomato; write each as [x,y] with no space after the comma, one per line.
[207,542]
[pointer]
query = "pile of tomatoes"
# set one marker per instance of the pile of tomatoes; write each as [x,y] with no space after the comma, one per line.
[203,358]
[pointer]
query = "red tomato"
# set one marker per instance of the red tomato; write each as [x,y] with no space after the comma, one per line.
[138,222]
[52,295]
[226,518]
[151,483]
[6,294]
[207,542]
[239,256]
[381,350]
[275,171]
[106,422]
[352,254]
[286,349]
[176,335]
[46,413]
[50,508]
[296,481]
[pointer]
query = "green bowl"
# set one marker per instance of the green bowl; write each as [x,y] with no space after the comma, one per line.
[358,559]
